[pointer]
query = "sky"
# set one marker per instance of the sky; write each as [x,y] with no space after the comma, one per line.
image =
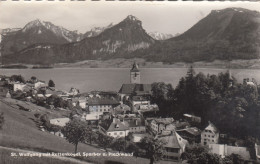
[164,17]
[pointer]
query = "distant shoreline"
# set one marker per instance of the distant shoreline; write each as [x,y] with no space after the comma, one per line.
[127,63]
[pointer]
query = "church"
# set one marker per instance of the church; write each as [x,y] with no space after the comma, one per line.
[136,91]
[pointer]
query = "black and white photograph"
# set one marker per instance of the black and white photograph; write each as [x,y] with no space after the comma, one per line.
[129,82]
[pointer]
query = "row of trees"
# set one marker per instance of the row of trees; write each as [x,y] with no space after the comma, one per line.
[197,154]
[233,107]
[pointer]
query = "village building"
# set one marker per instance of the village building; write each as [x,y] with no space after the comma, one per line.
[114,129]
[18,86]
[210,135]
[135,125]
[61,122]
[175,145]
[192,119]
[73,91]
[121,109]
[226,150]
[101,105]
[158,125]
[191,134]
[39,84]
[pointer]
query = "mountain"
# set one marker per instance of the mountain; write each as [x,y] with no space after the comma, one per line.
[14,40]
[117,41]
[232,33]
[160,36]
[96,31]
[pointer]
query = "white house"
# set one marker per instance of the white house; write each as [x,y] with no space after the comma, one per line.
[225,150]
[158,125]
[210,135]
[175,145]
[59,121]
[116,129]
[39,84]
[18,86]
[101,105]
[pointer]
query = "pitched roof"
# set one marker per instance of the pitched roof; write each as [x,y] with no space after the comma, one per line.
[212,127]
[165,121]
[59,121]
[192,130]
[127,88]
[102,101]
[139,89]
[133,122]
[173,140]
[135,68]
[117,125]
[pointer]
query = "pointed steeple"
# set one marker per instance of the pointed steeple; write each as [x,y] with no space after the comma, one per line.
[135,68]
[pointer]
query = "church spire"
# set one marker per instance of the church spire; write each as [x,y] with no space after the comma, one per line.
[135,75]
[135,68]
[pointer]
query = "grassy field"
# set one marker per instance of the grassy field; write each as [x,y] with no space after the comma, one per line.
[20,131]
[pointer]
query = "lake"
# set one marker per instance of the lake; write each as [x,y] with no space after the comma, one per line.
[111,79]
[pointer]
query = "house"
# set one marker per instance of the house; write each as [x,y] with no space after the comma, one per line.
[192,118]
[101,105]
[225,150]
[257,151]
[158,125]
[39,84]
[210,135]
[59,121]
[140,100]
[18,86]
[73,91]
[121,109]
[114,129]
[175,145]
[135,125]
[191,134]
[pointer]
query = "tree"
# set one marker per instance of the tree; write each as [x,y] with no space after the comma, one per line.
[200,154]
[119,144]
[133,148]
[104,140]
[2,120]
[51,83]
[18,78]
[76,131]
[154,148]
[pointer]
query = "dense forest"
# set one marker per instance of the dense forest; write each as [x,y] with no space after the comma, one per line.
[233,107]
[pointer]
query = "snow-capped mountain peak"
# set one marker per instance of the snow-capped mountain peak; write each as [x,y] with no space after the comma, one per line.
[160,36]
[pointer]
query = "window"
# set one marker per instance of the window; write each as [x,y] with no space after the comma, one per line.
[205,139]
[109,134]
[115,133]
[205,135]
[209,135]
[212,140]
[213,136]
[121,133]
[105,110]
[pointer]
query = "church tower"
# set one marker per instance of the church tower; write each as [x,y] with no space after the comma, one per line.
[135,75]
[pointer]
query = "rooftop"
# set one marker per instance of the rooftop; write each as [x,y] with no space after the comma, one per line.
[139,89]
[173,140]
[102,101]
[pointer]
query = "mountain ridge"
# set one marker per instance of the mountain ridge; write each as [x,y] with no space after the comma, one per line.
[231,33]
